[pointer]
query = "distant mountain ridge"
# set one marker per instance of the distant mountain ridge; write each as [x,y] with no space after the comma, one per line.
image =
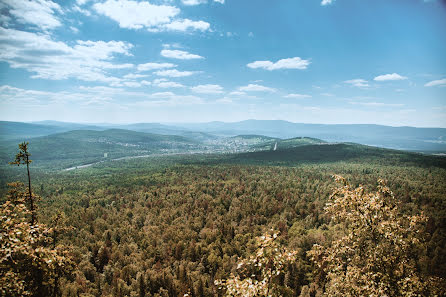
[403,138]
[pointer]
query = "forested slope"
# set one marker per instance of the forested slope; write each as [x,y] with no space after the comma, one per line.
[174,230]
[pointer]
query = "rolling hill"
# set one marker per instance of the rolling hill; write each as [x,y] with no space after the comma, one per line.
[84,146]
[404,138]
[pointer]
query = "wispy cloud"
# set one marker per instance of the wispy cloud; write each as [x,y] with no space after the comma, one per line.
[186,24]
[179,54]
[290,63]
[134,76]
[155,66]
[297,96]
[55,60]
[174,73]
[327,2]
[165,83]
[376,104]
[197,2]
[256,88]
[386,77]
[207,89]
[434,83]
[358,82]
[193,2]
[41,14]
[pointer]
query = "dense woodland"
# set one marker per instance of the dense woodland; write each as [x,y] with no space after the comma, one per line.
[138,228]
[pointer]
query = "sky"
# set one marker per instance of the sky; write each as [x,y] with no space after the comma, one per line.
[306,61]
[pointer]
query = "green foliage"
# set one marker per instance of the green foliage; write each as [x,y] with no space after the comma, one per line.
[169,226]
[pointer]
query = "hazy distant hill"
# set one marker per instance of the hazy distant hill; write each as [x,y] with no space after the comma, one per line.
[87,145]
[25,131]
[253,132]
[406,138]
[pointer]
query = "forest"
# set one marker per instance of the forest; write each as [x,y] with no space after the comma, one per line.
[204,225]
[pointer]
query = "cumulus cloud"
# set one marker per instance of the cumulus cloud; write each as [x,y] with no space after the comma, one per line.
[144,15]
[207,89]
[40,13]
[386,77]
[154,66]
[220,1]
[434,83]
[297,96]
[358,82]
[178,54]
[256,88]
[137,15]
[290,63]
[49,59]
[174,73]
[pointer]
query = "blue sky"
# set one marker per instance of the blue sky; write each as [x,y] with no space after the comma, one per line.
[309,61]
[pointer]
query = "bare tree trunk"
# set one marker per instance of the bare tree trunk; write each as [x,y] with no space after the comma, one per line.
[31,199]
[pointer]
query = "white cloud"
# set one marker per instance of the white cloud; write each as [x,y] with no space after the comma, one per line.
[290,63]
[359,82]
[237,93]
[134,76]
[144,15]
[207,89]
[297,96]
[326,2]
[376,104]
[164,83]
[40,13]
[162,95]
[256,88]
[178,54]
[137,15]
[49,59]
[81,10]
[440,82]
[74,30]
[197,2]
[154,66]
[146,83]
[186,24]
[132,84]
[82,2]
[386,77]
[174,73]
[101,89]
[193,2]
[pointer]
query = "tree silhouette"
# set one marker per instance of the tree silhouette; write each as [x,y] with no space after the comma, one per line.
[31,260]
[22,158]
